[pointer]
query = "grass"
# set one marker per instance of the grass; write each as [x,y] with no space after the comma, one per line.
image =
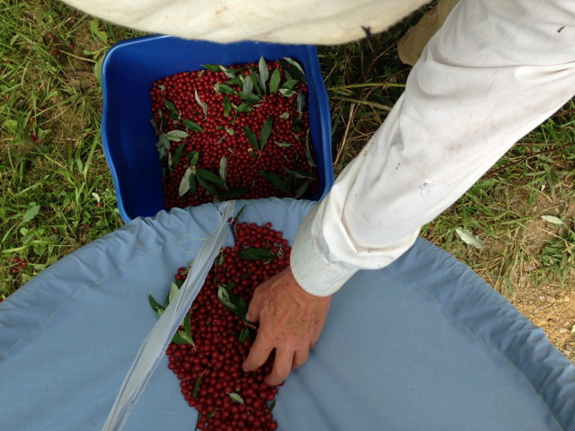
[57,193]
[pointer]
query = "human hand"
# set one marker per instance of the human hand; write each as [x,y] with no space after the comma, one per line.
[291,321]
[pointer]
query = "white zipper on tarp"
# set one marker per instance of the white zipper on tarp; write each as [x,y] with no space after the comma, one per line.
[155,345]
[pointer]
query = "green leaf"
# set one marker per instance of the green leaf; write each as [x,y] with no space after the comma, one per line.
[308,153]
[284,116]
[253,98]
[154,125]
[234,192]
[96,32]
[302,190]
[196,387]
[220,259]
[227,105]
[203,105]
[241,211]
[244,334]
[188,324]
[178,154]
[39,249]
[264,72]
[223,168]
[278,182]
[176,135]
[272,405]
[468,238]
[247,87]
[174,289]
[159,309]
[175,116]
[170,105]
[230,73]
[293,68]
[181,337]
[252,253]
[192,125]
[31,212]
[265,132]
[252,138]
[300,102]
[164,141]
[207,186]
[209,176]
[185,182]
[286,92]
[235,81]
[224,88]
[224,297]
[193,184]
[298,174]
[172,110]
[282,144]
[211,67]
[11,126]
[231,301]
[188,328]
[254,76]
[98,70]
[553,220]
[230,132]
[275,81]
[186,337]
[177,338]
[236,398]
[289,85]
[193,157]
[245,107]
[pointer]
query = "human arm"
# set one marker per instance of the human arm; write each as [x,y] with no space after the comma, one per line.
[493,73]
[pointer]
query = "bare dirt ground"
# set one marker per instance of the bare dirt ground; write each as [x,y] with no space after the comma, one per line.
[553,310]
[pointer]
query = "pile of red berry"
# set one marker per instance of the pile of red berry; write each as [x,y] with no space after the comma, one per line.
[231,132]
[210,346]
[19,265]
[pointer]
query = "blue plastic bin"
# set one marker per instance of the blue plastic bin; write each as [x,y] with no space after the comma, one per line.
[128,71]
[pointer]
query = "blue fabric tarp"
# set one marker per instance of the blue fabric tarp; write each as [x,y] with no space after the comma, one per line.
[423,344]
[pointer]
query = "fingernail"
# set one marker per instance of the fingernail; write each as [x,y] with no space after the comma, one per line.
[248,317]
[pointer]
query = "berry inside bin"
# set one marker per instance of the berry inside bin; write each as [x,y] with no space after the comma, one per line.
[128,73]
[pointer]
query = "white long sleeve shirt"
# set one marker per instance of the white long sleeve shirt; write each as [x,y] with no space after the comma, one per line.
[494,71]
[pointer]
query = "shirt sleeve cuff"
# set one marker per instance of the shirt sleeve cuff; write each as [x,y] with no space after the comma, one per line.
[309,266]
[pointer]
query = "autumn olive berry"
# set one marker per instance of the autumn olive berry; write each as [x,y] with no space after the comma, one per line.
[237,132]
[209,363]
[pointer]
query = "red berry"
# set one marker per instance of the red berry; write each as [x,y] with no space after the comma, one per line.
[210,374]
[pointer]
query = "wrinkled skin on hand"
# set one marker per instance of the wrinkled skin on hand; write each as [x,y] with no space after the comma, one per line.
[290,321]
